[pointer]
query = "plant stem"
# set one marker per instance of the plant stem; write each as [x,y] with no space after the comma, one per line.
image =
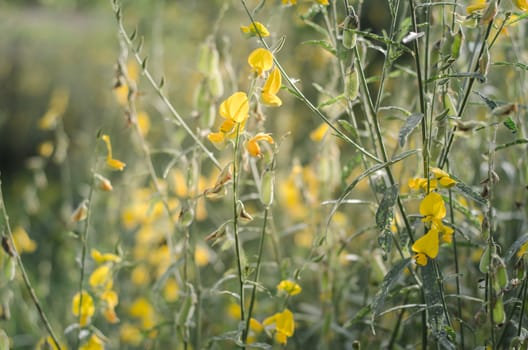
[236,233]
[257,274]
[25,277]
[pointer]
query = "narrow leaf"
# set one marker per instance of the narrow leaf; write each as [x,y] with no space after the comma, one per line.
[384,216]
[468,192]
[392,277]
[513,143]
[510,125]
[515,247]
[412,122]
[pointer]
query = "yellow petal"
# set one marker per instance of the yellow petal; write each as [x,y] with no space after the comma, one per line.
[260,60]
[235,107]
[107,257]
[318,134]
[94,343]
[447,182]
[85,307]
[100,276]
[420,259]
[428,244]
[289,287]
[273,83]
[432,207]
[254,29]
[271,100]
[115,164]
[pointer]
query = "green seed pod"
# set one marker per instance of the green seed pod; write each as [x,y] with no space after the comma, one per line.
[267,187]
[352,84]
[485,260]
[350,24]
[499,316]
[186,217]
[502,275]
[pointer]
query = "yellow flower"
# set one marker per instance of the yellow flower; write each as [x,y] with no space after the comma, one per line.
[323,2]
[428,244]
[289,2]
[253,147]
[521,4]
[475,6]
[421,183]
[100,277]
[284,325]
[289,287]
[217,139]
[318,134]
[443,177]
[142,309]
[48,343]
[101,258]
[130,334]
[171,290]
[270,89]
[143,122]
[201,256]
[23,243]
[85,308]
[57,107]
[260,60]
[94,343]
[254,29]
[235,107]
[432,207]
[45,149]
[111,162]
[111,300]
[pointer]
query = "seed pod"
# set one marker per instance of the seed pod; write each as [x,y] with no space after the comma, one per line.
[499,316]
[485,260]
[350,24]
[502,275]
[186,217]
[267,186]
[352,84]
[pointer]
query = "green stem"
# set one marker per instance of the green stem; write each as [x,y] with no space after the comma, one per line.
[257,274]
[235,229]
[25,277]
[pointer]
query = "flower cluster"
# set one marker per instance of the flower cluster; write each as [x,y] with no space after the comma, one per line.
[433,210]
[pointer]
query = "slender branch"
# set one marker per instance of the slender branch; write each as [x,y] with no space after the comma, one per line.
[25,277]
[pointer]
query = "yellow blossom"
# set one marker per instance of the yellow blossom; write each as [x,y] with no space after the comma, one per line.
[289,287]
[323,2]
[201,255]
[100,277]
[111,300]
[255,28]
[475,6]
[94,343]
[428,244]
[49,344]
[217,139]
[171,290]
[443,178]
[130,334]
[57,107]
[101,258]
[318,134]
[270,89]
[260,60]
[432,207]
[140,275]
[110,161]
[521,4]
[45,149]
[253,147]
[283,323]
[84,308]
[235,107]
[142,309]
[23,243]
[289,2]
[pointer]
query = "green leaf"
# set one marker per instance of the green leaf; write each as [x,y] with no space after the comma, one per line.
[390,278]
[457,43]
[331,101]
[433,300]
[468,192]
[384,216]
[412,122]
[322,44]
[490,103]
[4,340]
[515,247]
[510,125]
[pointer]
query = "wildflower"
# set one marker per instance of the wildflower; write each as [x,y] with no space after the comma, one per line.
[101,258]
[111,299]
[142,309]
[103,183]
[48,343]
[202,256]
[171,290]
[318,134]
[45,149]
[254,29]
[94,343]
[23,243]
[475,6]
[421,183]
[110,161]
[289,287]
[322,2]
[83,308]
[130,334]
[260,60]
[284,325]
[289,2]
[432,208]
[57,107]
[253,147]
[521,4]
[235,108]
[426,246]
[100,277]
[270,89]
[143,123]
[81,212]
[443,178]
